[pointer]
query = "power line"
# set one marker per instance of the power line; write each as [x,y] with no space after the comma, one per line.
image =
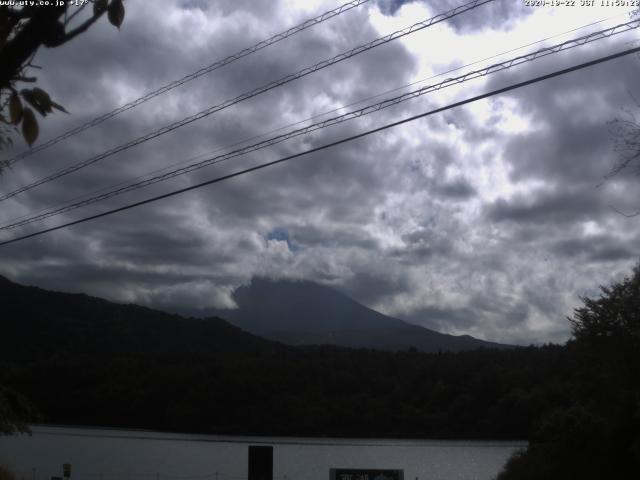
[13,222]
[497,67]
[192,76]
[332,144]
[245,96]
[16,221]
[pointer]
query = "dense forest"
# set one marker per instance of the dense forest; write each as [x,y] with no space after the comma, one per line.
[595,434]
[83,360]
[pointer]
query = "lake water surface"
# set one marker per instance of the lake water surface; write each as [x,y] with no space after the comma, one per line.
[100,454]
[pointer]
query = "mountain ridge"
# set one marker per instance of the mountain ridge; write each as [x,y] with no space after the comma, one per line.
[55,322]
[294,313]
[307,313]
[86,361]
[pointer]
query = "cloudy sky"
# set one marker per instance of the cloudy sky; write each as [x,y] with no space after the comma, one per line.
[489,219]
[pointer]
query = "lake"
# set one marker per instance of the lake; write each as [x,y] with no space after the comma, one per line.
[101,454]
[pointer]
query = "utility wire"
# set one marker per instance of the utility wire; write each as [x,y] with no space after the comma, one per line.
[10,222]
[491,93]
[300,122]
[192,76]
[497,67]
[245,96]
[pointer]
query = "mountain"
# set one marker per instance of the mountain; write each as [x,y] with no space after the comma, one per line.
[38,324]
[305,313]
[86,361]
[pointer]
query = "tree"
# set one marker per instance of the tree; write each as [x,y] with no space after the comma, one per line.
[23,30]
[16,412]
[597,435]
[625,134]
[612,321]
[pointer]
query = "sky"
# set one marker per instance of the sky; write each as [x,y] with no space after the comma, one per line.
[492,219]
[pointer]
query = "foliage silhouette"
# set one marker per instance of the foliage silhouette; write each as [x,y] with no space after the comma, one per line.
[597,433]
[23,30]
[83,360]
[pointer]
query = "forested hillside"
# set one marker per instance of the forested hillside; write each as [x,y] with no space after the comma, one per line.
[83,360]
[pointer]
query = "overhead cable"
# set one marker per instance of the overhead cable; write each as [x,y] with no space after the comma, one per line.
[491,93]
[107,188]
[191,76]
[497,67]
[245,96]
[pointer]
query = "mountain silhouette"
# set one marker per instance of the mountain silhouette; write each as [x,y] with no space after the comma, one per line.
[306,313]
[38,323]
[289,312]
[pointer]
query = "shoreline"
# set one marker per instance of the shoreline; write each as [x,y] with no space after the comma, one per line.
[139,434]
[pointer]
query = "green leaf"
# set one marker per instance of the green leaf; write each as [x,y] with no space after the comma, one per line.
[99,6]
[57,106]
[115,12]
[29,126]
[15,108]
[43,97]
[41,103]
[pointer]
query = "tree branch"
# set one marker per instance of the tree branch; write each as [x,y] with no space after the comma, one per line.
[74,14]
[76,31]
[21,47]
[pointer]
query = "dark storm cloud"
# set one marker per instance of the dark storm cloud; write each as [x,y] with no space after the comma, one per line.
[574,156]
[407,221]
[146,65]
[142,261]
[442,318]
[498,14]
[370,287]
[155,249]
[570,113]
[389,7]
[22,258]
[199,4]
[256,8]
[568,153]
[491,309]
[552,206]
[268,66]
[457,189]
[100,279]
[312,236]
[542,299]
[422,244]
[598,248]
